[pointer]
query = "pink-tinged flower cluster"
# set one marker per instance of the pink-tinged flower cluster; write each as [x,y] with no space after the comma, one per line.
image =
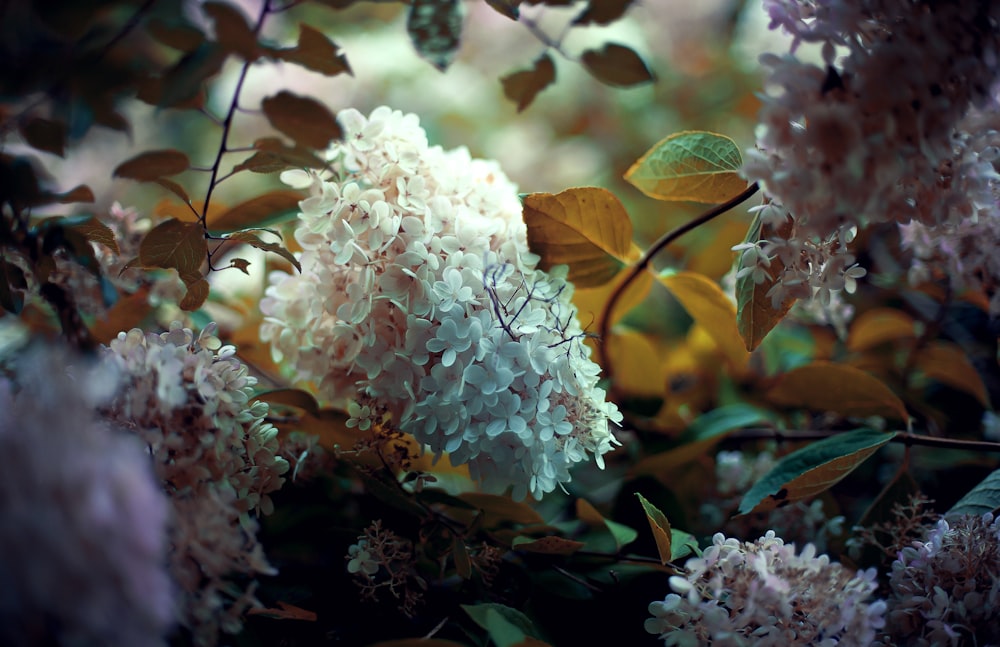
[420,304]
[187,398]
[83,522]
[946,589]
[872,136]
[763,593]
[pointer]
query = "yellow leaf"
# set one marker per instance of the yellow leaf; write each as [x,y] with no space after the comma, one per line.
[639,367]
[708,305]
[696,166]
[823,386]
[501,509]
[586,228]
[590,302]
[878,326]
[946,363]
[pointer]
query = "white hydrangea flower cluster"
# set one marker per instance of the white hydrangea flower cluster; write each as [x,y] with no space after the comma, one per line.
[83,537]
[187,398]
[946,589]
[962,252]
[419,302]
[872,137]
[762,593]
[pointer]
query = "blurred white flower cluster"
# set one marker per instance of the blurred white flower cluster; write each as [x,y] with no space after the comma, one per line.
[187,398]
[419,301]
[762,593]
[83,552]
[946,589]
[874,135]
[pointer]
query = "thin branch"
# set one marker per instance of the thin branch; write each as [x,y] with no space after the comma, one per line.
[227,123]
[604,328]
[908,439]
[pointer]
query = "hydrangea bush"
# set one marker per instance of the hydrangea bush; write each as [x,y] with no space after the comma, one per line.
[764,593]
[420,302]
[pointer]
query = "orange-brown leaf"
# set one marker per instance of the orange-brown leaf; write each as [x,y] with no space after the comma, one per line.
[617,65]
[305,120]
[152,165]
[522,87]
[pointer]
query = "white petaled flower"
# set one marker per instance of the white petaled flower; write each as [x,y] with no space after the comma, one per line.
[461,340]
[83,537]
[187,398]
[897,125]
[763,593]
[946,588]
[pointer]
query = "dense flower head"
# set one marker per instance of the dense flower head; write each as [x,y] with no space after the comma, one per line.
[187,397]
[419,302]
[83,538]
[873,135]
[946,588]
[763,593]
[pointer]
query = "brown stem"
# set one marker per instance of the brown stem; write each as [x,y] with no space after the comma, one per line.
[604,328]
[908,439]
[227,123]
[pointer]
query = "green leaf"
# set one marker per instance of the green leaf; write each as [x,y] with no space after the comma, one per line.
[603,12]
[315,52]
[232,30]
[813,469]
[435,28]
[305,120]
[981,499]
[263,210]
[44,134]
[682,544]
[254,241]
[153,165]
[505,626]
[622,534]
[660,527]
[755,314]
[711,309]
[551,545]
[694,165]
[522,87]
[849,391]
[706,430]
[586,228]
[617,65]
